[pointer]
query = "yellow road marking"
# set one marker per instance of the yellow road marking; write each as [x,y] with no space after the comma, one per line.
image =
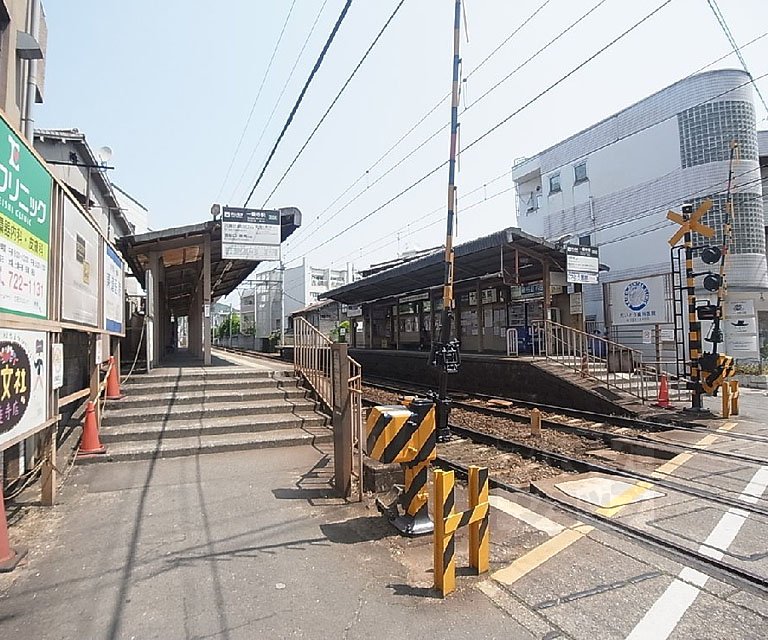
[538,556]
[549,549]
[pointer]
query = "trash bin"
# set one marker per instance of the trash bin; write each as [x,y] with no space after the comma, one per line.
[266,345]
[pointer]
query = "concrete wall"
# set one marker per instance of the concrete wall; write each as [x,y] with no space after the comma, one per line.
[518,379]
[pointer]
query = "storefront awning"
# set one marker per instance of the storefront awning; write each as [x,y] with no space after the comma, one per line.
[512,254]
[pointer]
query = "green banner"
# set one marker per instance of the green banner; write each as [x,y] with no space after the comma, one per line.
[25,227]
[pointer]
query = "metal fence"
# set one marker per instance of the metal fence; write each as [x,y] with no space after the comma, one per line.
[314,364]
[596,357]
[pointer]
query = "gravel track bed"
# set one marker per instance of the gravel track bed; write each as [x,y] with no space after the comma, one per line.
[507,428]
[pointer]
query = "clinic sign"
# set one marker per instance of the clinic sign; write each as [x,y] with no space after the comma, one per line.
[639,301]
[250,234]
[25,228]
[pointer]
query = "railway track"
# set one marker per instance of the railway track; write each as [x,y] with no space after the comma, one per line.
[478,446]
[481,446]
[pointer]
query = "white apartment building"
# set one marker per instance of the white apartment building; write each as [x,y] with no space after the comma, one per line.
[612,185]
[269,294]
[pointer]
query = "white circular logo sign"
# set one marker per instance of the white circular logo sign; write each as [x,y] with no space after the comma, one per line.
[636,295]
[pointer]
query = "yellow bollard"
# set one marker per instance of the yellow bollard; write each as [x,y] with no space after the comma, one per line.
[734,384]
[726,389]
[444,560]
[535,422]
[479,531]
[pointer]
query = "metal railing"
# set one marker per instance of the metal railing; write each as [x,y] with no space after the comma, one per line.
[512,344]
[592,356]
[312,362]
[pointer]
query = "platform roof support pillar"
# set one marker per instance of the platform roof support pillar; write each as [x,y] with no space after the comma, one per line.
[158,304]
[207,301]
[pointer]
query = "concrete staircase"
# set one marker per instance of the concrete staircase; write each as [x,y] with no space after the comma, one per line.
[187,412]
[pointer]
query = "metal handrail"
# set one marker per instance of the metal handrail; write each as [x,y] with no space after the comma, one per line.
[312,363]
[512,344]
[592,356]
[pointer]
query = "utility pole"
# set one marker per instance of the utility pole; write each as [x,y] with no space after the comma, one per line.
[445,353]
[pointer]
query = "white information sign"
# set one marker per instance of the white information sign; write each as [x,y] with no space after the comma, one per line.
[667,335]
[740,328]
[639,301]
[80,268]
[576,303]
[582,264]
[739,308]
[23,382]
[250,234]
[113,290]
[57,365]
[647,336]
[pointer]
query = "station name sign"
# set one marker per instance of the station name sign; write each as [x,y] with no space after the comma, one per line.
[582,264]
[250,234]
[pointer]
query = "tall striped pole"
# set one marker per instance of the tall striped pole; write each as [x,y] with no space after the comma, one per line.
[727,232]
[443,431]
[694,326]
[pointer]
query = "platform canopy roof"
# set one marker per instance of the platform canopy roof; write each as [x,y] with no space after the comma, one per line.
[181,249]
[511,254]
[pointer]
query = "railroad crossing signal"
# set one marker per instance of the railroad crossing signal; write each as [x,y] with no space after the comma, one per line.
[692,224]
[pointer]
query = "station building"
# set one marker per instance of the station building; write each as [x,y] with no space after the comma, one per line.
[612,184]
[504,281]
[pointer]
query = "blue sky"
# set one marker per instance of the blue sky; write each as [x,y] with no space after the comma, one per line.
[169,86]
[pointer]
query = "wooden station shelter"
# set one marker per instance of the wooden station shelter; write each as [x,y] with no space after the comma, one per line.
[184,271]
[507,279]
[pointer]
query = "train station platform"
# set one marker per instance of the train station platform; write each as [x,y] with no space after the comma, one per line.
[520,377]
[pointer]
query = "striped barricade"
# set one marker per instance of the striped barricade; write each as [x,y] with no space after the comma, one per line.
[406,434]
[476,517]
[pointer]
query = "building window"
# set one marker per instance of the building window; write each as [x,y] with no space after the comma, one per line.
[580,172]
[748,222]
[554,183]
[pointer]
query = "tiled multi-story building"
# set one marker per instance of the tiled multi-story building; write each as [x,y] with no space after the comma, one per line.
[612,185]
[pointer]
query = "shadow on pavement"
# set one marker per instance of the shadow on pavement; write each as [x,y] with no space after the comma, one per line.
[356,530]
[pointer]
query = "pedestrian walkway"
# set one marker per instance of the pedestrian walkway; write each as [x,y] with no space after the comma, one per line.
[248,544]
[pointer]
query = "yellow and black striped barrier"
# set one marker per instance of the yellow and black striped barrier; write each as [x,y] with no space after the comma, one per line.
[406,434]
[448,521]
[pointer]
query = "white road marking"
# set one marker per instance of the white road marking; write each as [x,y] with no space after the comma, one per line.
[665,614]
[542,523]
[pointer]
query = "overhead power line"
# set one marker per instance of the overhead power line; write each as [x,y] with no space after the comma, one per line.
[287,124]
[256,99]
[433,135]
[724,26]
[493,128]
[335,100]
[277,102]
[425,116]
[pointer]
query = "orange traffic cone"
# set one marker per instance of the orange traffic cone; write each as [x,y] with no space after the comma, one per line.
[9,556]
[113,381]
[90,445]
[663,400]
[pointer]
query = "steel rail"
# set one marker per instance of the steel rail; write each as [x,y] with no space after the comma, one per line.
[620,421]
[717,569]
[568,463]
